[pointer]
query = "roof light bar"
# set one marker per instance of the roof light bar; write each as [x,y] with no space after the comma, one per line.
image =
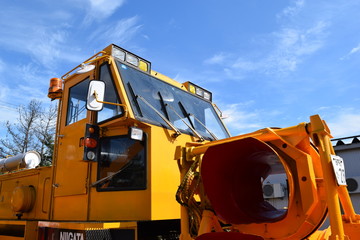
[199,91]
[117,53]
[130,58]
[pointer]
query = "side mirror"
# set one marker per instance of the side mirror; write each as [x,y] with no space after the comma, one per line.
[95,95]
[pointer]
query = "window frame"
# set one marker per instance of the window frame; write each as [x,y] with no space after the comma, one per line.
[135,104]
[108,67]
[85,81]
[112,189]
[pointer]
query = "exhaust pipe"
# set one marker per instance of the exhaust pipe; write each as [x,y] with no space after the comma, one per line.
[26,160]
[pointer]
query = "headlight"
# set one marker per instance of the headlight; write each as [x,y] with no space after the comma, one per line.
[119,54]
[130,58]
[199,91]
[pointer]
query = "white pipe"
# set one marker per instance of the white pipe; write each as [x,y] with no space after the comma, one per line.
[26,160]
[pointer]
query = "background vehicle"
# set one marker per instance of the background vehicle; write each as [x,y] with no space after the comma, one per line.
[123,133]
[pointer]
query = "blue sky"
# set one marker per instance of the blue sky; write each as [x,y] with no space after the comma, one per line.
[268,63]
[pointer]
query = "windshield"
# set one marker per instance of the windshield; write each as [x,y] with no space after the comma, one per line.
[183,110]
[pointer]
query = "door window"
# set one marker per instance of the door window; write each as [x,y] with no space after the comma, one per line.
[109,111]
[77,102]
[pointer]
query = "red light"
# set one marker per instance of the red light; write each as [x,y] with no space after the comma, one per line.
[90,143]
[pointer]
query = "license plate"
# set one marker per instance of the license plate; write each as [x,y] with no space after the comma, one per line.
[339,169]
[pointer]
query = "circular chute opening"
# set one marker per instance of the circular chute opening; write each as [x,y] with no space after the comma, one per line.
[236,180]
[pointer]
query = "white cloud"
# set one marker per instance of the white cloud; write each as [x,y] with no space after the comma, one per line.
[101,9]
[48,35]
[342,121]
[355,50]
[4,90]
[239,120]
[242,118]
[283,50]
[345,124]
[290,48]
[245,65]
[22,83]
[352,51]
[293,45]
[121,32]
[292,10]
[41,36]
[30,74]
[47,47]
[219,58]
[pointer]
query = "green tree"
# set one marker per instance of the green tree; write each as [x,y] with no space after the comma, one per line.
[34,130]
[45,132]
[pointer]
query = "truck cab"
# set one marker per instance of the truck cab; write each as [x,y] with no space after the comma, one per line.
[117,162]
[120,128]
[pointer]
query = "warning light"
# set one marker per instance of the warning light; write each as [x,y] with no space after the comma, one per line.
[55,88]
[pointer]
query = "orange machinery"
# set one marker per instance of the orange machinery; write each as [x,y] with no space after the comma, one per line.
[124,131]
[222,195]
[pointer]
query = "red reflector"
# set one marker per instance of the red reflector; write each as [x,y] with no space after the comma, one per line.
[90,143]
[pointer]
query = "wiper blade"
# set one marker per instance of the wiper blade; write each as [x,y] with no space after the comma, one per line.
[188,125]
[108,178]
[186,114]
[163,106]
[135,99]
[177,132]
[207,129]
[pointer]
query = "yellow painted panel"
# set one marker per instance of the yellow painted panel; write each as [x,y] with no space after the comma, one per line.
[9,183]
[71,208]
[71,170]
[43,193]
[165,177]
[120,205]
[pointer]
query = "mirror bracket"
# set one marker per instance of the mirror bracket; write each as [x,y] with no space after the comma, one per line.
[95,97]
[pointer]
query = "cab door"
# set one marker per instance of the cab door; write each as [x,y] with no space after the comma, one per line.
[71,171]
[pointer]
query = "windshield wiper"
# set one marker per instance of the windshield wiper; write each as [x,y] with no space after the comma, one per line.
[187,114]
[177,132]
[188,125]
[207,129]
[108,178]
[135,100]
[163,106]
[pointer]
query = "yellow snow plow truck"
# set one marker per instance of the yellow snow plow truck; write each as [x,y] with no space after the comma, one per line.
[140,156]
